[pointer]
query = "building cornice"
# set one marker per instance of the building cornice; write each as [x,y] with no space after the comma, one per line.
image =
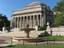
[26,13]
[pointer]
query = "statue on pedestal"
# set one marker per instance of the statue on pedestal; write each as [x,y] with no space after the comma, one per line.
[48,28]
[36,28]
[4,28]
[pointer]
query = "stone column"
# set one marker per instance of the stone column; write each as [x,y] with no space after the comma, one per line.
[33,21]
[20,22]
[28,19]
[14,22]
[17,22]
[30,22]
[37,20]
[40,20]
[43,21]
[23,22]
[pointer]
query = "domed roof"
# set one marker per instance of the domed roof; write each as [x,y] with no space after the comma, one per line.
[35,3]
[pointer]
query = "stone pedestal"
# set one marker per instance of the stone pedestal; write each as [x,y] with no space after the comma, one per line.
[4,29]
[36,28]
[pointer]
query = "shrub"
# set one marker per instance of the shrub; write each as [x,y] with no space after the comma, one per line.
[44,34]
[42,28]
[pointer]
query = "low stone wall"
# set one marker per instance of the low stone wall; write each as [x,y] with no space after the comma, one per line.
[58,33]
[32,34]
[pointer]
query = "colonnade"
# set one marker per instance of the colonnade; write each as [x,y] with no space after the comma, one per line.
[22,21]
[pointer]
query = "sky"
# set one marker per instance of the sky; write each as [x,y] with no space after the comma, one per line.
[8,6]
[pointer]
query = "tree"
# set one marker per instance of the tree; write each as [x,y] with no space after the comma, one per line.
[58,20]
[59,17]
[4,21]
[59,6]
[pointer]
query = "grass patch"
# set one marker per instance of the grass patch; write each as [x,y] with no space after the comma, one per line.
[55,38]
[38,46]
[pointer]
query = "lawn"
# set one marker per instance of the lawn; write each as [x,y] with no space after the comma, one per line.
[53,38]
[38,46]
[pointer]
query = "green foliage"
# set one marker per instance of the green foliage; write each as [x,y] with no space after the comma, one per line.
[4,21]
[42,28]
[54,37]
[59,17]
[43,34]
[59,6]
[38,46]
[58,20]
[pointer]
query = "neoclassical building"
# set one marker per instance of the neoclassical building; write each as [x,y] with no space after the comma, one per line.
[32,14]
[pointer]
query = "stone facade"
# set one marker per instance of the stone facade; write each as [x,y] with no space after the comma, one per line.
[33,14]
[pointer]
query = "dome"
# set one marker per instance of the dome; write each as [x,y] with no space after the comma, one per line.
[34,3]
